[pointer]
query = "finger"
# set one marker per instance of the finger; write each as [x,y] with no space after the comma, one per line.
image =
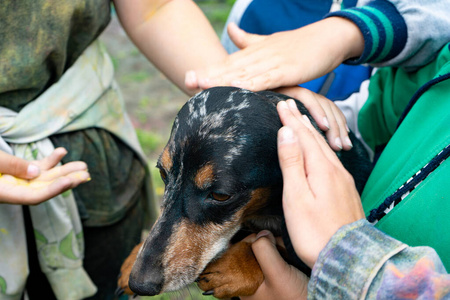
[312,144]
[343,128]
[63,170]
[245,69]
[322,143]
[67,182]
[289,152]
[256,82]
[289,116]
[58,187]
[314,107]
[294,109]
[301,118]
[333,134]
[53,159]
[55,188]
[268,257]
[241,38]
[240,70]
[250,238]
[293,170]
[321,109]
[17,167]
[260,77]
[232,67]
[190,80]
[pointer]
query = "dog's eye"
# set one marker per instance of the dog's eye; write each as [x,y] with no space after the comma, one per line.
[219,197]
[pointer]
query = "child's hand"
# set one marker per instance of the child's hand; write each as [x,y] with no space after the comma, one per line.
[12,165]
[281,280]
[326,114]
[319,195]
[50,182]
[284,58]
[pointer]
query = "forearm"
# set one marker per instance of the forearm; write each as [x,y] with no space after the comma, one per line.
[362,262]
[173,34]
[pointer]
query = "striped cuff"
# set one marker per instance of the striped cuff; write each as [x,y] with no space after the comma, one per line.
[383,28]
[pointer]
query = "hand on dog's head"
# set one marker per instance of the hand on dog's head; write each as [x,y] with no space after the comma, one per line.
[221,172]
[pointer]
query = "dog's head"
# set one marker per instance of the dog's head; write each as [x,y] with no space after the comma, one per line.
[220,168]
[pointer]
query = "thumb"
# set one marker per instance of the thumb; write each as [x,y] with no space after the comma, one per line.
[241,38]
[53,159]
[17,167]
[296,189]
[291,158]
[267,255]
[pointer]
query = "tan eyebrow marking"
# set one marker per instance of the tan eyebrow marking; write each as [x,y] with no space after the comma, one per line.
[204,176]
[166,159]
[258,200]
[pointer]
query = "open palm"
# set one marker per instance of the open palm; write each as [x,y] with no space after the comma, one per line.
[51,181]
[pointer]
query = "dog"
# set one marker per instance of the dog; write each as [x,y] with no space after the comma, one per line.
[222,179]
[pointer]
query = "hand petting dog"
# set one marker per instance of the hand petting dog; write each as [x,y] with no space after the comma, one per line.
[327,115]
[313,214]
[223,180]
[290,64]
[329,42]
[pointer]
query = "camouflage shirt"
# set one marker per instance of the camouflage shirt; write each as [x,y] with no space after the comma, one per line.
[39,41]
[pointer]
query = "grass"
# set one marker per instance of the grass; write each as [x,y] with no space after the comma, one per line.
[190,293]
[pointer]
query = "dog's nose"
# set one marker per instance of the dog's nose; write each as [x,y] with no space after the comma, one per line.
[148,284]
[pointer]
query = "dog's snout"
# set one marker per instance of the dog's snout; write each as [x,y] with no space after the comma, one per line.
[148,284]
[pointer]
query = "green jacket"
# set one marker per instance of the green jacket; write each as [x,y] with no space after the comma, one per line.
[406,196]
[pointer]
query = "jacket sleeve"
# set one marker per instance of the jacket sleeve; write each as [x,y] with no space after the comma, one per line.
[362,262]
[400,33]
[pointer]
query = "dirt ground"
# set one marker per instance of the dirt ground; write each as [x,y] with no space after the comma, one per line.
[153,101]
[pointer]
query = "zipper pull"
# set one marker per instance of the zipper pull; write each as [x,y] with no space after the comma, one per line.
[336,5]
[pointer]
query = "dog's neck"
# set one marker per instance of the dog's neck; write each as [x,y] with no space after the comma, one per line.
[268,214]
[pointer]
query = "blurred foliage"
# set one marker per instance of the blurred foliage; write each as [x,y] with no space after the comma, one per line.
[227,2]
[216,11]
[158,184]
[149,140]
[135,77]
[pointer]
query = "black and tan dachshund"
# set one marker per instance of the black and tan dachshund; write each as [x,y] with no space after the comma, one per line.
[222,176]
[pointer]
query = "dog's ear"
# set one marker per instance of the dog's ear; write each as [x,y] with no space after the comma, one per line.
[125,270]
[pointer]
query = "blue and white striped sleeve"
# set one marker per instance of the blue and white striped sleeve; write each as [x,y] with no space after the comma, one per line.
[384,30]
[400,33]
